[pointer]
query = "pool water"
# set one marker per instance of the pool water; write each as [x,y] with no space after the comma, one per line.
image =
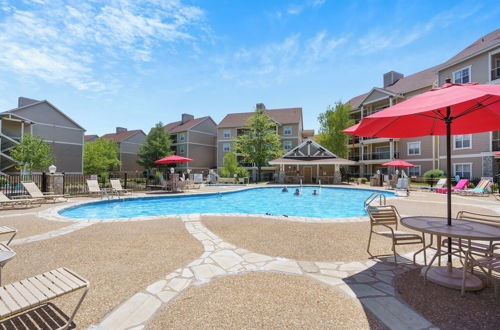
[330,203]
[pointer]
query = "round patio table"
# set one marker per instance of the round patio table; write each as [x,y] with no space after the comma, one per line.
[468,230]
[5,257]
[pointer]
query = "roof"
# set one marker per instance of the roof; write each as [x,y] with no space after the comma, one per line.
[282,116]
[325,161]
[122,136]
[310,152]
[485,42]
[90,137]
[308,133]
[177,126]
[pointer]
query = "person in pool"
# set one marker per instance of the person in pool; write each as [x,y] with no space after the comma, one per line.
[315,192]
[297,192]
[285,189]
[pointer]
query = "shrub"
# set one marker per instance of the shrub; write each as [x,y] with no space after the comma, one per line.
[3,182]
[363,180]
[494,187]
[431,175]
[242,172]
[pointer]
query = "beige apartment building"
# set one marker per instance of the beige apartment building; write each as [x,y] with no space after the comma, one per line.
[472,155]
[194,138]
[289,126]
[129,142]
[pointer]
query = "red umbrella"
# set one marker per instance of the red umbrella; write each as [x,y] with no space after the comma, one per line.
[450,109]
[398,163]
[352,129]
[173,159]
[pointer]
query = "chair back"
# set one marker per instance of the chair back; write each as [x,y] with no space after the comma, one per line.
[477,217]
[402,183]
[461,184]
[383,215]
[4,198]
[116,184]
[441,183]
[483,184]
[32,189]
[93,186]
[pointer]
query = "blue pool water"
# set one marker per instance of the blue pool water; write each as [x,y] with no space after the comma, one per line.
[330,203]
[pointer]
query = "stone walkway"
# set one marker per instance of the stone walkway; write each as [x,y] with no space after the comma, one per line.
[368,281]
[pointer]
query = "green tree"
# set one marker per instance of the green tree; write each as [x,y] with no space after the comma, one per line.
[156,146]
[261,143]
[231,167]
[100,156]
[332,122]
[32,153]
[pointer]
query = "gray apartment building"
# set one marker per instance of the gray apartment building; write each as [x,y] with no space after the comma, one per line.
[472,154]
[289,126]
[129,143]
[42,119]
[194,138]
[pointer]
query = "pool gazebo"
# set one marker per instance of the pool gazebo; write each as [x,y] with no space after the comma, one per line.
[311,163]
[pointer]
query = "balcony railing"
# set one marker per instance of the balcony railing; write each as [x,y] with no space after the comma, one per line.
[379,155]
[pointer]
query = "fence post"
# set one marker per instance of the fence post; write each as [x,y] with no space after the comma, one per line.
[125,181]
[64,182]
[44,182]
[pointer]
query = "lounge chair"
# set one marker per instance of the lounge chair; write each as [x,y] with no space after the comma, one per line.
[116,187]
[20,297]
[7,203]
[402,187]
[386,216]
[6,230]
[34,192]
[94,189]
[461,185]
[440,184]
[482,188]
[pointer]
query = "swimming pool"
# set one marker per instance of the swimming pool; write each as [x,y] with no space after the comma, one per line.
[330,203]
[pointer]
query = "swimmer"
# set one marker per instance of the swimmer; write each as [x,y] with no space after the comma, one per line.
[315,192]
[285,189]
[297,192]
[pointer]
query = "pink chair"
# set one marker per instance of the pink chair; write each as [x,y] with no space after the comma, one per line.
[461,185]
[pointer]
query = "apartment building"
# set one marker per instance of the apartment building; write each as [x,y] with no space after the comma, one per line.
[42,119]
[194,138]
[129,142]
[289,126]
[472,155]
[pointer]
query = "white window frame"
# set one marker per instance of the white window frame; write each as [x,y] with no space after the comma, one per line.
[455,142]
[226,147]
[419,167]
[469,67]
[182,150]
[285,128]
[490,67]
[226,133]
[182,136]
[419,148]
[462,164]
[289,143]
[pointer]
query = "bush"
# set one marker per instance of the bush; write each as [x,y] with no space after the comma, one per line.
[363,180]
[242,172]
[475,181]
[494,187]
[3,182]
[431,176]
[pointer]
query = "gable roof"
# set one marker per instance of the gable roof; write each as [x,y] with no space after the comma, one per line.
[178,126]
[490,40]
[310,152]
[122,136]
[91,137]
[282,116]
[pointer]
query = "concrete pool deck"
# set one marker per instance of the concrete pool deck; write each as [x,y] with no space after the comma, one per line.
[212,247]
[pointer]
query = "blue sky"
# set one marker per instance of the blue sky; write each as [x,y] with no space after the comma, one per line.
[132,63]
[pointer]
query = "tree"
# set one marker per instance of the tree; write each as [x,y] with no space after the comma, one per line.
[100,156]
[261,143]
[231,167]
[32,153]
[332,122]
[156,146]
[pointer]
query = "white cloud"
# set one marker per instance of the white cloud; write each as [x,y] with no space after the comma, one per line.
[276,62]
[67,41]
[298,8]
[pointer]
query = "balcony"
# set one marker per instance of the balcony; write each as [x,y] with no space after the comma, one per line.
[378,156]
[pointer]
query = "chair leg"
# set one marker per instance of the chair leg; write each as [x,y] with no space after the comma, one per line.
[464,274]
[369,242]
[394,252]
[76,309]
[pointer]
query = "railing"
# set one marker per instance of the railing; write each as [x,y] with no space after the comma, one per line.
[374,196]
[379,155]
[11,185]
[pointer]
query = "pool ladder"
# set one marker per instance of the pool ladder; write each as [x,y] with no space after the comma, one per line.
[374,196]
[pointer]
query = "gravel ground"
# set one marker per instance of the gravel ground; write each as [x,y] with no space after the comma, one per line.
[28,225]
[263,301]
[118,259]
[302,241]
[445,308]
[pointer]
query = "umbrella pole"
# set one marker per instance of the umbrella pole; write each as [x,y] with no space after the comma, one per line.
[448,177]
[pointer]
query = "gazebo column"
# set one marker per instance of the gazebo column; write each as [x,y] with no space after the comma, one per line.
[337,177]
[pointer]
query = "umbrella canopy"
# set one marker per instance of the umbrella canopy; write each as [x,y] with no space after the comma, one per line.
[398,163]
[352,129]
[173,159]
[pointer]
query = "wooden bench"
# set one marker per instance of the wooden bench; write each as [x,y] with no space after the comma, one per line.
[20,297]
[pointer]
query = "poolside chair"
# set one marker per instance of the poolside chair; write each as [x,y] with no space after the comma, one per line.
[18,298]
[94,188]
[488,264]
[6,230]
[461,185]
[384,217]
[402,187]
[7,203]
[482,188]
[34,192]
[117,188]
[440,184]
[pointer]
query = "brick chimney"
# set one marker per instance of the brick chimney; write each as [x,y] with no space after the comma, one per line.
[186,117]
[120,130]
[392,77]
[260,106]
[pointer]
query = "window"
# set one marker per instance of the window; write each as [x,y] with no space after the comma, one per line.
[287,145]
[414,148]
[462,142]
[227,133]
[463,170]
[181,149]
[287,130]
[382,153]
[182,137]
[415,171]
[462,76]
[226,147]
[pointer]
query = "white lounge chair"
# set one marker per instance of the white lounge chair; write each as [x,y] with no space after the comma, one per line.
[93,187]
[116,187]
[34,192]
[402,187]
[440,184]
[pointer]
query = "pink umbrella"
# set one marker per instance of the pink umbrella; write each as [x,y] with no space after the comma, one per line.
[173,159]
[398,163]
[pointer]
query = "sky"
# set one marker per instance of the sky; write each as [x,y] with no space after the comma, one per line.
[132,63]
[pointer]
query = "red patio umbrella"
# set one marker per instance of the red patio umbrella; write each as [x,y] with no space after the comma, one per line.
[398,163]
[448,110]
[173,159]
